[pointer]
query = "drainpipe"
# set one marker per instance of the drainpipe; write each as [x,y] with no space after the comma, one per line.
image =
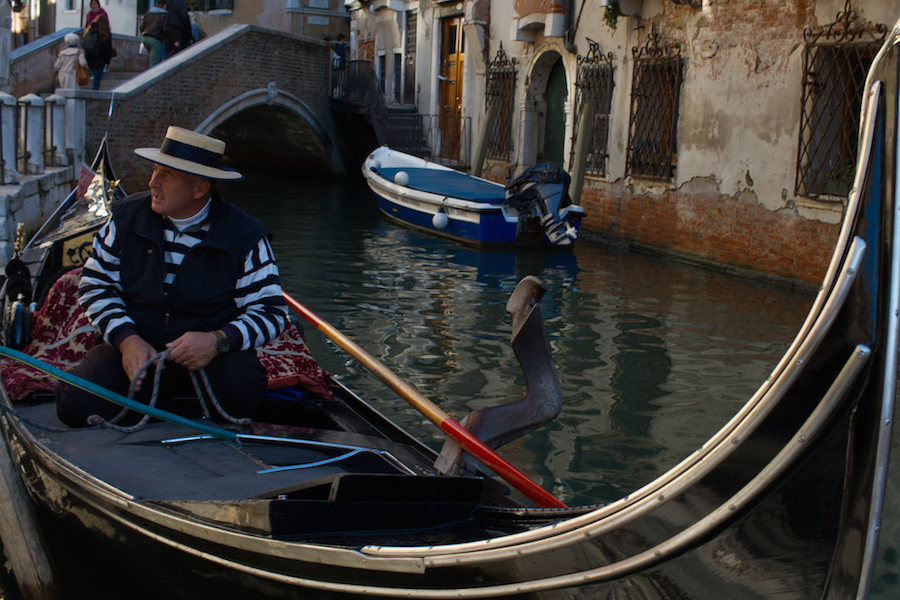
[569,24]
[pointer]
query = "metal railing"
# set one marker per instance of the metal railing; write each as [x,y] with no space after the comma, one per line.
[655,93]
[835,62]
[445,139]
[500,92]
[594,86]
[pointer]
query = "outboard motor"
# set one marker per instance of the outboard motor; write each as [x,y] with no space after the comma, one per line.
[542,192]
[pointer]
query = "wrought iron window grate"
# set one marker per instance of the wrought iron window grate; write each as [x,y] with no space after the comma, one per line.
[500,92]
[594,85]
[835,62]
[655,92]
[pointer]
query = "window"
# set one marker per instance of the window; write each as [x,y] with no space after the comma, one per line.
[205,5]
[409,76]
[500,92]
[382,72]
[655,91]
[398,75]
[594,85]
[835,63]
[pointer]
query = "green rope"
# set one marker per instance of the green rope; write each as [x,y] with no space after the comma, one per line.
[115,398]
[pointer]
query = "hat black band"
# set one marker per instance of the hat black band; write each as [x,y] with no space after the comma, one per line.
[177,149]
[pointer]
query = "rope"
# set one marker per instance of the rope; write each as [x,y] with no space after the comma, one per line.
[161,358]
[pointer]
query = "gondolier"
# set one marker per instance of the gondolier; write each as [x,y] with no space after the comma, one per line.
[177,267]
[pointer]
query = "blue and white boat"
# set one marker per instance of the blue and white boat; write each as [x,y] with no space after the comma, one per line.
[533,209]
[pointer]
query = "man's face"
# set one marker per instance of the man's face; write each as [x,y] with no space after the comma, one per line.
[176,194]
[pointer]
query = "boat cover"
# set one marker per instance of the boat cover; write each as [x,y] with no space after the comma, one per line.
[449,183]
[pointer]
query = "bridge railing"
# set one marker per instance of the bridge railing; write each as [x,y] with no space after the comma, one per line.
[445,139]
[33,134]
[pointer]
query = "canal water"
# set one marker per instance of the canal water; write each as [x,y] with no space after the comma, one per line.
[654,355]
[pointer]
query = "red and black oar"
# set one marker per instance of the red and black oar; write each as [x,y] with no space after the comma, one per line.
[472,444]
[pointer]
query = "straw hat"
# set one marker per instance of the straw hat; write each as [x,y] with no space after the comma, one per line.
[191,152]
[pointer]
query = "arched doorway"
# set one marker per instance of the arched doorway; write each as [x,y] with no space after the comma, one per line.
[544,118]
[555,122]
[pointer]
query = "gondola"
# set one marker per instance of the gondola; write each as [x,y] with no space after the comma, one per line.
[532,210]
[322,497]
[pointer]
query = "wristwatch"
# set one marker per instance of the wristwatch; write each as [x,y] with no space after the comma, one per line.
[222,345]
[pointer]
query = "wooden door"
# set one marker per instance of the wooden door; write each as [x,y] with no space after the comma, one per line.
[452,59]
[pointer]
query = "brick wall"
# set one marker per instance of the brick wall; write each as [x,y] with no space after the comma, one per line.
[187,97]
[734,231]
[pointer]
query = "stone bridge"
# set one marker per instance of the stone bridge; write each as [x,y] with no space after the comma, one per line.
[266,93]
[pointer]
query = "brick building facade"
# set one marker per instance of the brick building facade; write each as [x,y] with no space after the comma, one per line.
[723,130]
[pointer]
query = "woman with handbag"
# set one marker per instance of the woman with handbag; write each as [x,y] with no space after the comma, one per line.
[98,46]
[69,62]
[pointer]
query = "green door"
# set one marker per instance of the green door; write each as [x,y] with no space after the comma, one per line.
[555,126]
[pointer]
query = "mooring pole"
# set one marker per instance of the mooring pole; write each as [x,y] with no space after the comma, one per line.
[582,147]
[22,540]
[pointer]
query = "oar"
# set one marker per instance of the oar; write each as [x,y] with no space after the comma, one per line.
[115,398]
[472,444]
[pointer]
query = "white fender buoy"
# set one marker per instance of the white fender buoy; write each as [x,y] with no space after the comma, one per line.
[440,219]
[375,164]
[401,178]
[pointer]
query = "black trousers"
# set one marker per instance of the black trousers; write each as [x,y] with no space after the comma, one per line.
[237,378]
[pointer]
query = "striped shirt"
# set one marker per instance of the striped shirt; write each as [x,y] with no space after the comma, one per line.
[257,293]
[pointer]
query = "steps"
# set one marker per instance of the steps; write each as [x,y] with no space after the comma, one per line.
[113,79]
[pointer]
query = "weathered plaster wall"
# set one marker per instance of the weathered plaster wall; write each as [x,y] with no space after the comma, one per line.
[732,196]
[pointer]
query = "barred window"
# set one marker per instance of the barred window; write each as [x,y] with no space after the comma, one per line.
[594,85]
[655,91]
[500,92]
[835,62]
[205,5]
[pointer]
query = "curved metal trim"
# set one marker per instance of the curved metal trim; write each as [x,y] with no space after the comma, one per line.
[669,485]
[890,367]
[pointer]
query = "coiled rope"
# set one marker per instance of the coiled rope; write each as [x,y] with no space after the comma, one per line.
[161,358]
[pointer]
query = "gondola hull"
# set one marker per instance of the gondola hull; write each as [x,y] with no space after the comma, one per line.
[335,501]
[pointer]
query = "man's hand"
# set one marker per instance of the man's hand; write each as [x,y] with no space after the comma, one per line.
[135,352]
[193,350]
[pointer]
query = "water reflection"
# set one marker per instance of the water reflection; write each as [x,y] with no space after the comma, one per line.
[654,355]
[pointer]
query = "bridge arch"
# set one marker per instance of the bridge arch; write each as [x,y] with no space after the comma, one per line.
[302,139]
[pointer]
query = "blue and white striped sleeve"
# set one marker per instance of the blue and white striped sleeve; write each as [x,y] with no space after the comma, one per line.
[259,299]
[101,284]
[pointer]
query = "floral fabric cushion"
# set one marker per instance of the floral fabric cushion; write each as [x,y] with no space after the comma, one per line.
[62,335]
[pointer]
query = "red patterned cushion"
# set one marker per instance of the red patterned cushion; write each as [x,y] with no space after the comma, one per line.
[63,335]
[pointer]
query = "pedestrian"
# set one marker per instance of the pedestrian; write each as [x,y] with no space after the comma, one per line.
[339,67]
[179,27]
[178,268]
[65,63]
[154,27]
[197,30]
[340,51]
[95,12]
[98,46]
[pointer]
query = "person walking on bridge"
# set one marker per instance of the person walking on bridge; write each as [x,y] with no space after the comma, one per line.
[178,268]
[154,28]
[98,45]
[65,62]
[179,27]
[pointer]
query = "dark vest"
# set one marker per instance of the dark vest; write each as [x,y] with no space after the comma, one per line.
[201,297]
